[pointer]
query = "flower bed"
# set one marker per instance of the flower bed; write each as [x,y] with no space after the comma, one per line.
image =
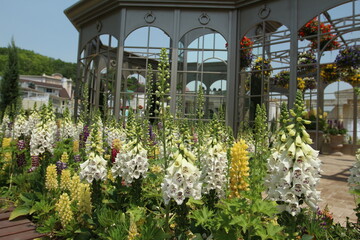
[174,179]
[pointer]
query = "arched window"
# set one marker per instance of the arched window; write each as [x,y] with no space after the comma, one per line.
[264,69]
[326,36]
[141,52]
[203,60]
[98,65]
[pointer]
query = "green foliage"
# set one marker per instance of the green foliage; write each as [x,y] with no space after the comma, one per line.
[240,218]
[317,225]
[258,161]
[31,63]
[9,85]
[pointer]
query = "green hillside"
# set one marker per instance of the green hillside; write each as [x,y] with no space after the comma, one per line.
[32,63]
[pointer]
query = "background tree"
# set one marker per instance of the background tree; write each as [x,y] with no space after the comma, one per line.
[9,86]
[31,63]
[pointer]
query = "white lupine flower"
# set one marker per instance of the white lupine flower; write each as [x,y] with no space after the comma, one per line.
[21,126]
[5,126]
[131,164]
[112,133]
[215,165]
[43,135]
[93,168]
[94,142]
[33,120]
[293,174]
[181,181]
[42,139]
[354,179]
[79,129]
[68,129]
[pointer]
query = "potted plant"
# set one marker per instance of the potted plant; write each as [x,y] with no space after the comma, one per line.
[316,127]
[335,129]
[335,133]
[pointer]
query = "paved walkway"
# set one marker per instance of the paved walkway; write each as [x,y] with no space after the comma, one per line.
[334,188]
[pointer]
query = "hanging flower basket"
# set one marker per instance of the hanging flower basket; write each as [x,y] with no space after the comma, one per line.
[282,79]
[310,32]
[263,66]
[348,64]
[310,29]
[348,57]
[306,83]
[329,73]
[350,75]
[304,59]
[327,43]
[246,55]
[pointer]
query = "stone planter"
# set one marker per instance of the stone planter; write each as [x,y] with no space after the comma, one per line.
[317,142]
[336,144]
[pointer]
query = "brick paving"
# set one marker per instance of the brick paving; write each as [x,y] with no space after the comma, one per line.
[334,188]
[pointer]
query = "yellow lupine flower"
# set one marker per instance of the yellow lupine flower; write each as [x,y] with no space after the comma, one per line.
[116,144]
[64,210]
[65,180]
[239,168]
[156,169]
[84,203]
[75,188]
[64,157]
[6,142]
[110,176]
[76,146]
[133,232]
[51,182]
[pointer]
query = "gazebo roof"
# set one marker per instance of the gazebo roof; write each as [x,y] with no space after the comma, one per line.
[85,10]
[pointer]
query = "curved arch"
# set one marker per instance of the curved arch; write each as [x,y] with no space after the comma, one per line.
[148,29]
[219,85]
[193,86]
[97,36]
[274,25]
[310,13]
[196,33]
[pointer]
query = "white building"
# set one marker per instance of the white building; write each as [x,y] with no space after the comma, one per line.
[41,89]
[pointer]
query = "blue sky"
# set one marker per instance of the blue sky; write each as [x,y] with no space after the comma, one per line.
[39,25]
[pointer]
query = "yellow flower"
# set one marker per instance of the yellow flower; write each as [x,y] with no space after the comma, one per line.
[84,203]
[156,169]
[64,157]
[116,144]
[65,180]
[300,84]
[51,182]
[133,233]
[239,168]
[110,176]
[74,188]
[76,146]
[64,209]
[6,142]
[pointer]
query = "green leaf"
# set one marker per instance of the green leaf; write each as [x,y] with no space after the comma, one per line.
[307,237]
[202,216]
[25,199]
[273,230]
[19,211]
[240,221]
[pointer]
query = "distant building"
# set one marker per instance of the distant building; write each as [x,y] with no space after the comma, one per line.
[42,89]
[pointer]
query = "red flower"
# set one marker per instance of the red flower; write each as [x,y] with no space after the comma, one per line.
[140,107]
[114,152]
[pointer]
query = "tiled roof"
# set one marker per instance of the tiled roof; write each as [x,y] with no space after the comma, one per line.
[50,85]
[62,93]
